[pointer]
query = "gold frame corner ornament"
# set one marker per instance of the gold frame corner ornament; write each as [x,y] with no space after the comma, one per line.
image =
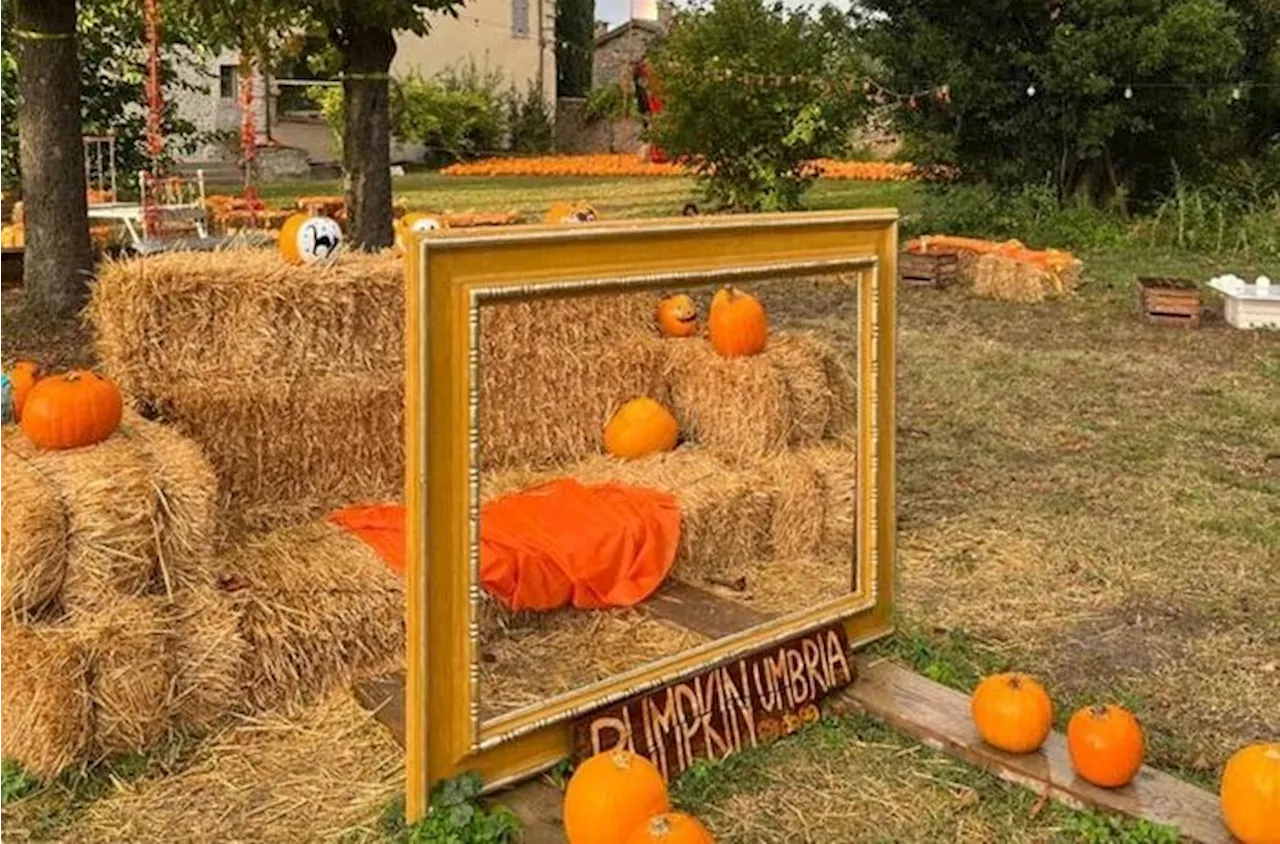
[448,277]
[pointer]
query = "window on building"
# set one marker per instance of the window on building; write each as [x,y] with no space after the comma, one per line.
[227,81]
[520,18]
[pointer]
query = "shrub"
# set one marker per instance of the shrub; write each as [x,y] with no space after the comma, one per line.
[750,141]
[529,120]
[454,120]
[607,102]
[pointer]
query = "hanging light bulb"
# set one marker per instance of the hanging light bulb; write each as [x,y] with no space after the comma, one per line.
[1235,93]
[1031,90]
[1128,92]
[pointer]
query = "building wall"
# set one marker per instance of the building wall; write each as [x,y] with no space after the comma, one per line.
[484,32]
[615,57]
[208,110]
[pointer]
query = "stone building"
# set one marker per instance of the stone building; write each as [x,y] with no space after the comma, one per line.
[619,48]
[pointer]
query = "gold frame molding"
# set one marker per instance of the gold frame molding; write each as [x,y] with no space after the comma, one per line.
[449,276]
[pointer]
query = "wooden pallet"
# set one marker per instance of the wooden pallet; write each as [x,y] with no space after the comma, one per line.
[1170,301]
[934,269]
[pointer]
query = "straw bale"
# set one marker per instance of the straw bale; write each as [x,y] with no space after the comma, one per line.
[1009,280]
[110,511]
[317,607]
[792,394]
[786,585]
[208,653]
[46,712]
[33,536]
[246,312]
[287,452]
[553,371]
[185,488]
[815,489]
[132,670]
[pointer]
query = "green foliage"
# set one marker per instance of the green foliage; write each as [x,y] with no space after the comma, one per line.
[1079,134]
[607,102]
[575,46]
[456,116]
[455,817]
[113,66]
[529,121]
[750,143]
[1092,828]
[15,783]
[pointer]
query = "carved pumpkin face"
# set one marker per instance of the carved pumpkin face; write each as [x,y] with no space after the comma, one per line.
[305,239]
[415,222]
[678,316]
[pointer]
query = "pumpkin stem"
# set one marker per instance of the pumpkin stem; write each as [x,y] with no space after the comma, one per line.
[621,760]
[659,826]
[1100,710]
[1015,681]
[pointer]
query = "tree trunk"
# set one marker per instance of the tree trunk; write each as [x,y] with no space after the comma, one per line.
[366,136]
[59,258]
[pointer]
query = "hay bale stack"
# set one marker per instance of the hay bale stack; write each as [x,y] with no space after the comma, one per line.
[815,492]
[554,370]
[132,668]
[246,312]
[287,452]
[795,393]
[208,652]
[86,527]
[317,608]
[46,709]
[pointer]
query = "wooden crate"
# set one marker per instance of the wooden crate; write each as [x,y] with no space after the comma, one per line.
[1170,301]
[935,269]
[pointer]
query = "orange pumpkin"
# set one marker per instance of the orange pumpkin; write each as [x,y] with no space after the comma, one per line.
[678,316]
[71,410]
[1105,744]
[1250,794]
[610,795]
[307,238]
[640,427]
[1012,712]
[23,376]
[671,828]
[737,325]
[568,213]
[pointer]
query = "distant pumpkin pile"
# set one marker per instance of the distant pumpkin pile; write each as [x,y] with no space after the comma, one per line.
[68,410]
[1012,712]
[737,326]
[618,797]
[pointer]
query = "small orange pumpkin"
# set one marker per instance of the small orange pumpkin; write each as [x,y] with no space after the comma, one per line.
[640,427]
[671,828]
[611,794]
[1012,712]
[71,410]
[1105,744]
[678,316]
[23,376]
[737,325]
[1250,794]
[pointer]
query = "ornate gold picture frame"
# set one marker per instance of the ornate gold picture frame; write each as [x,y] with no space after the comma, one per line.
[450,276]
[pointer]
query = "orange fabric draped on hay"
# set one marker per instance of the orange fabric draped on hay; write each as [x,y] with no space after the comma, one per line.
[1050,260]
[554,545]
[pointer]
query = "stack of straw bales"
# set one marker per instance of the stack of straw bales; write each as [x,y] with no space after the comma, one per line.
[1007,279]
[290,377]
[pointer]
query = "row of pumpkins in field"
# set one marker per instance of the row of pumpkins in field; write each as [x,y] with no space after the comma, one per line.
[737,326]
[307,238]
[65,410]
[1012,712]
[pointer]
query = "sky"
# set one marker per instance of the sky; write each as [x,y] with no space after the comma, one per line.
[617,11]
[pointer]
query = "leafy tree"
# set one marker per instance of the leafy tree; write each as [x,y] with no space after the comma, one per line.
[1038,90]
[575,46]
[362,33]
[748,137]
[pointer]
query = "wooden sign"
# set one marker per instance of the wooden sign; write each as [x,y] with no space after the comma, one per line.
[742,704]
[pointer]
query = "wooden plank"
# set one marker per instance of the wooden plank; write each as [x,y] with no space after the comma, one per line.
[384,697]
[1185,321]
[538,804]
[701,611]
[725,709]
[939,717]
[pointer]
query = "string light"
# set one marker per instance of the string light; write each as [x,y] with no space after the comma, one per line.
[1128,92]
[1031,90]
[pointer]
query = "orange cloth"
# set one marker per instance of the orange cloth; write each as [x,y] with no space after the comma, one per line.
[381,526]
[555,544]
